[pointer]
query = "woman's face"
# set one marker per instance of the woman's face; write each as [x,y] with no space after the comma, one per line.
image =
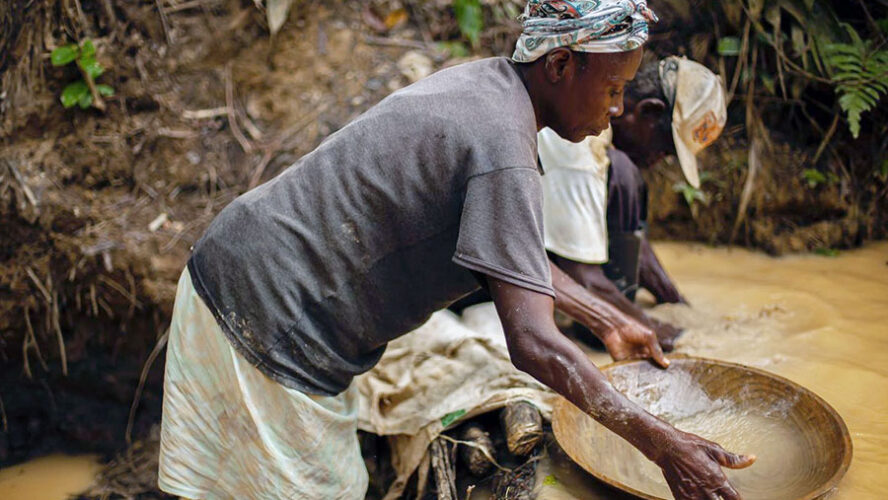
[591,92]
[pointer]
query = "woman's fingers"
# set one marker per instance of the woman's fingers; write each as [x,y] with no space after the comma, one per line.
[731,460]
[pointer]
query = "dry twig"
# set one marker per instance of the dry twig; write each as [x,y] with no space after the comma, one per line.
[158,347]
[477,446]
[58,331]
[164,21]
[245,144]
[30,341]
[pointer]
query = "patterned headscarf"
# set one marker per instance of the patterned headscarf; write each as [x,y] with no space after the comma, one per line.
[583,26]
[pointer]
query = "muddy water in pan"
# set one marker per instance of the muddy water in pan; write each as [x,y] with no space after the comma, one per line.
[48,478]
[819,321]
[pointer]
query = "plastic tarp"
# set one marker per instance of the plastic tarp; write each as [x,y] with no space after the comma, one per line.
[448,370]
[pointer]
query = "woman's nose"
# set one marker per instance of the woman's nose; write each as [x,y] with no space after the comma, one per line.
[616,108]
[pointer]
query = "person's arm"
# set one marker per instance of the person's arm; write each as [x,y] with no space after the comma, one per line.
[592,278]
[690,464]
[653,277]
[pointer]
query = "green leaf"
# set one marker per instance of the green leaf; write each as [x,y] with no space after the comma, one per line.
[769,83]
[470,19]
[105,90]
[729,46]
[87,49]
[63,55]
[690,193]
[814,177]
[73,93]
[550,480]
[452,417]
[454,49]
[883,171]
[91,67]
[85,100]
[827,252]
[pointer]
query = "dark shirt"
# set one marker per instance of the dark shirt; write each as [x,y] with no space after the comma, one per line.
[360,241]
[626,195]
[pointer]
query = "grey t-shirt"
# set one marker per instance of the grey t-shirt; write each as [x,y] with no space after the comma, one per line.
[361,240]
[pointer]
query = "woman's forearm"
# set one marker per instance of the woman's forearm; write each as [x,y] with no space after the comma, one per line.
[592,310]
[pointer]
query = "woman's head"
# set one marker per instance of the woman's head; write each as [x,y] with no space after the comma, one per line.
[644,131]
[576,57]
[585,90]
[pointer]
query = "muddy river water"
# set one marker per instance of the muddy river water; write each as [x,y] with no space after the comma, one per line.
[819,321]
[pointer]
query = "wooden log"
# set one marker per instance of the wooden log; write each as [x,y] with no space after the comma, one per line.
[522,426]
[445,474]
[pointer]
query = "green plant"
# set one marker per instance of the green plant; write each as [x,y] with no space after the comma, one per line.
[83,92]
[827,252]
[454,48]
[882,173]
[470,19]
[690,193]
[729,46]
[814,177]
[860,73]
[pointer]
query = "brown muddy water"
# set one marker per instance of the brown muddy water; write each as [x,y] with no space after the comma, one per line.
[48,478]
[819,321]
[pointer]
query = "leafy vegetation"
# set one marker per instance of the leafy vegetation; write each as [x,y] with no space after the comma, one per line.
[860,74]
[470,18]
[690,193]
[83,92]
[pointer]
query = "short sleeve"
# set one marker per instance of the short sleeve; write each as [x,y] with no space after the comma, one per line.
[501,229]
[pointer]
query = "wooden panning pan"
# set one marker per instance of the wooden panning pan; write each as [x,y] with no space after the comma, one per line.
[802,444]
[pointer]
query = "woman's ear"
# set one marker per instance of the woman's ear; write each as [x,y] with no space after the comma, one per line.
[557,64]
[650,108]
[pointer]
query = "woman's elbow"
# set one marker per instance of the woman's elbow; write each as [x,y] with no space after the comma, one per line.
[524,349]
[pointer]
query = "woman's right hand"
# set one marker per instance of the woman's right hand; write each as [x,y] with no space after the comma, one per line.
[692,466]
